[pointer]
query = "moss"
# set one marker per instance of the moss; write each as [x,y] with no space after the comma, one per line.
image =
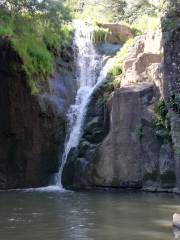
[103,99]
[151,176]
[168,178]
[114,183]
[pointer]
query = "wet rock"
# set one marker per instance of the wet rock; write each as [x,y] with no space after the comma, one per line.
[167,166]
[93,125]
[150,157]
[175,130]
[84,145]
[67,178]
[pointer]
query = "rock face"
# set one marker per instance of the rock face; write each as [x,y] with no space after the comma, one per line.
[32,129]
[171,44]
[175,129]
[122,158]
[118,32]
[143,52]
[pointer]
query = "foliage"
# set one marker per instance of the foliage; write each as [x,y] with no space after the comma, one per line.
[115,70]
[146,23]
[138,130]
[162,121]
[104,98]
[35,30]
[170,5]
[117,81]
[99,33]
[119,58]
[109,9]
[100,9]
[123,53]
[171,24]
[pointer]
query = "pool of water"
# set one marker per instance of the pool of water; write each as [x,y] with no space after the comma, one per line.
[41,215]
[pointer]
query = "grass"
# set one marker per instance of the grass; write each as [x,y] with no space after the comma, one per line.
[121,55]
[117,81]
[100,34]
[162,121]
[35,44]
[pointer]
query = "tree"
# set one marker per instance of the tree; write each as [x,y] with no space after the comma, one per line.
[50,13]
[35,29]
[108,8]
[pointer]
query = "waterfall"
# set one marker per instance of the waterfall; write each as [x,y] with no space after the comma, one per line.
[89,73]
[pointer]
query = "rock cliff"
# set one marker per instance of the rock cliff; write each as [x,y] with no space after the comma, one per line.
[32,127]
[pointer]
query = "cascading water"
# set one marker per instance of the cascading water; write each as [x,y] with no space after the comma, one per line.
[89,74]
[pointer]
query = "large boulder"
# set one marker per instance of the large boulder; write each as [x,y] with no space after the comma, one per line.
[118,32]
[116,161]
[128,154]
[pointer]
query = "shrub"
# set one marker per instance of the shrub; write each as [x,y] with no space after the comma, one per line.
[123,53]
[162,121]
[117,81]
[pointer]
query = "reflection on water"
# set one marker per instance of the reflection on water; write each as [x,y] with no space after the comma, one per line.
[54,215]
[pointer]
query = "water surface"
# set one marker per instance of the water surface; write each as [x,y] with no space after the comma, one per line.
[42,215]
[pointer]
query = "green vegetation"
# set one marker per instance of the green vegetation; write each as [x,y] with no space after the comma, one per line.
[151,176]
[123,53]
[141,15]
[35,29]
[117,81]
[138,130]
[100,33]
[116,70]
[104,98]
[162,121]
[168,178]
[114,183]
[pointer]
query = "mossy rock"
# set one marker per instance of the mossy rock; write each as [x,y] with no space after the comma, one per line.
[83,147]
[168,179]
[114,183]
[93,125]
[151,176]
